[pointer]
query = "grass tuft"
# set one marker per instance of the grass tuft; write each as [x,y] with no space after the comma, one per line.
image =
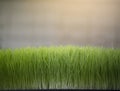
[60,67]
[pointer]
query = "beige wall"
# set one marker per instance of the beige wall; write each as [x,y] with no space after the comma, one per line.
[59,22]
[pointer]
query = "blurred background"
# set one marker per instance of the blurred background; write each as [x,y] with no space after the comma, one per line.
[36,23]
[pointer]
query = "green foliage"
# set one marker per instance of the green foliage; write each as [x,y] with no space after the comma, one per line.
[60,67]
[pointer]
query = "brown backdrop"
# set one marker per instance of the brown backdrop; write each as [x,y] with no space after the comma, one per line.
[59,22]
